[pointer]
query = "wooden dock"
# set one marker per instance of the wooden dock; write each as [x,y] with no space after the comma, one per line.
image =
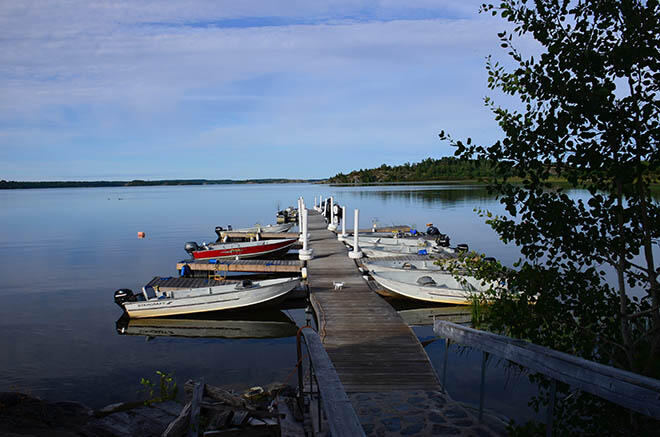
[242,265]
[370,346]
[379,360]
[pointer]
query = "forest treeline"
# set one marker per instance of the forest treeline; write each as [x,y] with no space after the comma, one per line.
[139,183]
[443,169]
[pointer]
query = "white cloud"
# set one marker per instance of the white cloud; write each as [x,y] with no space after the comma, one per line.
[137,75]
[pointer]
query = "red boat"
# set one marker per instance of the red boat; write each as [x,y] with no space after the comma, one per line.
[246,249]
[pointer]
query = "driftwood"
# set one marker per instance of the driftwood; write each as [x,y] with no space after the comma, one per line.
[178,427]
[225,413]
[198,393]
[220,395]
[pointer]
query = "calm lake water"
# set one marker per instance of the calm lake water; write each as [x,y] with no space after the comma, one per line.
[64,252]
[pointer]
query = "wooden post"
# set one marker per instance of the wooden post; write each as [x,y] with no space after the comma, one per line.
[550,415]
[198,392]
[444,367]
[482,388]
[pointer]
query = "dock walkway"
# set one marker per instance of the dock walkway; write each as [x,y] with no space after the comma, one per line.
[379,360]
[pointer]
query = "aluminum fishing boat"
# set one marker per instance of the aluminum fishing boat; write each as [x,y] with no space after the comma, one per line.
[155,303]
[438,287]
[237,250]
[282,227]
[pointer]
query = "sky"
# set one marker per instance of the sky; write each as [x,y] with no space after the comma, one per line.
[161,89]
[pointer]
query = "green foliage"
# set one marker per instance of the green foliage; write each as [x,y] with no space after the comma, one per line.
[166,390]
[443,169]
[590,116]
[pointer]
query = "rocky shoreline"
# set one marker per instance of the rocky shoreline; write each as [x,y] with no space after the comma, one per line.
[209,410]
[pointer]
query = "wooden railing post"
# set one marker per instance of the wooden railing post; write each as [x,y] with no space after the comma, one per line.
[482,386]
[550,415]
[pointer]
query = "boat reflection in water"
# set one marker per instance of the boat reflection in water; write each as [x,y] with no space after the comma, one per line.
[420,314]
[253,324]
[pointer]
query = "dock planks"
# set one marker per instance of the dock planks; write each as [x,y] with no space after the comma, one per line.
[369,344]
[243,265]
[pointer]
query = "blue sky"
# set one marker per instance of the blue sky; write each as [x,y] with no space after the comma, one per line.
[158,89]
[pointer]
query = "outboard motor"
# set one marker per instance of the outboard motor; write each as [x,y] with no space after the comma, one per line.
[219,230]
[191,247]
[432,230]
[122,324]
[442,240]
[490,259]
[124,295]
[462,247]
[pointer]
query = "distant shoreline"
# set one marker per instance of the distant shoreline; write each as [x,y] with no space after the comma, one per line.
[19,185]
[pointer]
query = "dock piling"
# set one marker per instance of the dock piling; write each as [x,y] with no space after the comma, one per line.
[343,223]
[356,253]
[305,254]
[332,226]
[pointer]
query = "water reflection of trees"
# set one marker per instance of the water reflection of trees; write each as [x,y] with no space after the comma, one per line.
[449,196]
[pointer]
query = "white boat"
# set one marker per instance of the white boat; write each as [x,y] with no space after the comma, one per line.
[376,251]
[262,324]
[389,241]
[438,287]
[422,265]
[278,228]
[153,303]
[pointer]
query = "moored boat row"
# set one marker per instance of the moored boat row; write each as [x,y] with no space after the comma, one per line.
[156,302]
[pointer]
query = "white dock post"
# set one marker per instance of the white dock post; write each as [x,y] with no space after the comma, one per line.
[298,216]
[343,224]
[321,204]
[332,226]
[355,254]
[315,209]
[305,254]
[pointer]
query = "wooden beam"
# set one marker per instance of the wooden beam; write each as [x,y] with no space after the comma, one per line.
[635,392]
[341,417]
[257,266]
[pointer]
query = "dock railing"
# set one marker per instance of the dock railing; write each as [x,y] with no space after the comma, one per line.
[630,390]
[332,400]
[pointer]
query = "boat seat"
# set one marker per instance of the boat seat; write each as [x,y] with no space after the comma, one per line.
[149,292]
[425,281]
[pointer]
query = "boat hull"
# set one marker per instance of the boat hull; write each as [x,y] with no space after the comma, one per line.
[454,296]
[217,298]
[283,227]
[244,250]
[242,325]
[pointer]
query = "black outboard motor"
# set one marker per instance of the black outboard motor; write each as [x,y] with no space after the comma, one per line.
[462,247]
[326,211]
[432,230]
[442,240]
[124,295]
[490,259]
[191,247]
[122,324]
[219,230]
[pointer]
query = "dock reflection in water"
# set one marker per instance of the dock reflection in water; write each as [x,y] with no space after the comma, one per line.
[235,325]
[420,314]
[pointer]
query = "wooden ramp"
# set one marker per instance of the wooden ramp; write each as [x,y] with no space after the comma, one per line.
[371,347]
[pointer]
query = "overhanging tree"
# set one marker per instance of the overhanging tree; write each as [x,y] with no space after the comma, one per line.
[591,115]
